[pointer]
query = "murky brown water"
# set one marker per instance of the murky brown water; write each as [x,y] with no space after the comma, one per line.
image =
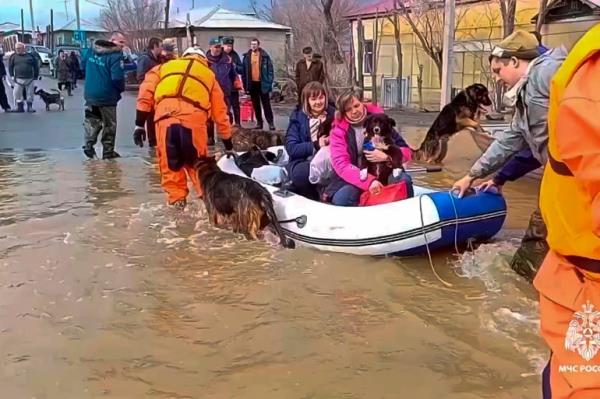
[105,292]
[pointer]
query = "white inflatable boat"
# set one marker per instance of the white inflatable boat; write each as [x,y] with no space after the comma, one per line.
[431,218]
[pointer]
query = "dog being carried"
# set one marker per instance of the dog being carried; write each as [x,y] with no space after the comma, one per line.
[238,202]
[378,135]
[462,112]
[52,98]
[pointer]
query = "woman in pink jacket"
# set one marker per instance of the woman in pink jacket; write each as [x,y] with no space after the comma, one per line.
[346,143]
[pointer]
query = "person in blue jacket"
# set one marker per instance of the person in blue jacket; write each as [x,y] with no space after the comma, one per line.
[104,83]
[258,78]
[234,98]
[305,136]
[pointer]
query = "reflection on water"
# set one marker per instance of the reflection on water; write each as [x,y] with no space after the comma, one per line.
[108,292]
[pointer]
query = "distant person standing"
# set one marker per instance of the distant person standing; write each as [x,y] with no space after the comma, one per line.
[224,70]
[63,72]
[75,68]
[258,82]
[149,60]
[24,70]
[308,70]
[3,99]
[104,83]
[234,98]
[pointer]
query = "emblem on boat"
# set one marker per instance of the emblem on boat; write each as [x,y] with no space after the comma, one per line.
[583,335]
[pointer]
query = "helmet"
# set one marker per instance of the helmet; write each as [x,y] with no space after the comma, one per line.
[194,51]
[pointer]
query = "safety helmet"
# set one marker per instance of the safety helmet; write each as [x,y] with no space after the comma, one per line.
[194,51]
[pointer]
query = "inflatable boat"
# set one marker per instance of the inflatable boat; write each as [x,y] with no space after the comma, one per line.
[434,219]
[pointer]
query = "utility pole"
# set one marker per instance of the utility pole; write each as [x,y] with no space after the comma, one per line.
[33,32]
[22,27]
[167,10]
[77,12]
[51,30]
[448,46]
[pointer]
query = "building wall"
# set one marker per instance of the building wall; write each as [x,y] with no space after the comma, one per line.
[479,27]
[567,32]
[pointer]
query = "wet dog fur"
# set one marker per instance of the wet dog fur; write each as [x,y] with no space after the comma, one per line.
[51,98]
[238,202]
[462,112]
[243,139]
[379,129]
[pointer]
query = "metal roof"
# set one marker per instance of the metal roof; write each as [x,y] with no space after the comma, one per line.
[84,25]
[218,17]
[9,26]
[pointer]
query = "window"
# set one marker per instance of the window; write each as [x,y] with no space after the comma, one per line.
[368,57]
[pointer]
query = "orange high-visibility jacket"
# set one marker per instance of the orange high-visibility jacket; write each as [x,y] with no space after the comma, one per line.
[185,88]
[570,191]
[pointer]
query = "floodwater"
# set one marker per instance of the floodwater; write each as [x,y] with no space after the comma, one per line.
[106,292]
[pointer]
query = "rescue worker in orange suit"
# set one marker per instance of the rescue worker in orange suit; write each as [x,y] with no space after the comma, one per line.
[184,95]
[569,279]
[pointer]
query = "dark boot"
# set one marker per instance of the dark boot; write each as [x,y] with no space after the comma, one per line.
[20,108]
[111,155]
[271,126]
[530,255]
[89,152]
[30,107]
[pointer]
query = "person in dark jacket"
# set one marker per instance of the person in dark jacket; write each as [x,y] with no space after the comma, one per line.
[148,61]
[308,70]
[258,82]
[104,83]
[63,72]
[224,69]
[302,139]
[24,70]
[3,99]
[234,98]
[74,68]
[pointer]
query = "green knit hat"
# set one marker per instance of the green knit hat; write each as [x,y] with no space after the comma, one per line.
[519,44]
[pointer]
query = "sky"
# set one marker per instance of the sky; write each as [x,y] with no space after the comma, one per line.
[11,10]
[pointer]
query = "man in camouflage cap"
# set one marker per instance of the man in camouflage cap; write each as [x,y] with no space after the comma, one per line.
[516,62]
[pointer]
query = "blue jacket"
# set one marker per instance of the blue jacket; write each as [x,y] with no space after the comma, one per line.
[521,164]
[237,61]
[224,71]
[267,74]
[104,76]
[298,143]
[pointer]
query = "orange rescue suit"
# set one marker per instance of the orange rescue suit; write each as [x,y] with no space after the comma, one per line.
[184,95]
[569,279]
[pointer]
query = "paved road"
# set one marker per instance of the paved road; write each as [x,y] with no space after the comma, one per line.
[64,130]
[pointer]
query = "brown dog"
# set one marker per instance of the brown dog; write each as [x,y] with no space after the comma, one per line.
[235,201]
[460,113]
[244,139]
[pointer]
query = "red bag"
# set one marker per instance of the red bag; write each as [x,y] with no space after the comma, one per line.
[392,193]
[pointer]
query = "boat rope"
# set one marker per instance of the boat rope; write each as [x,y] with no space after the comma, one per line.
[300,221]
[441,280]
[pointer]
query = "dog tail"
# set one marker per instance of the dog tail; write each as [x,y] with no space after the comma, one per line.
[267,204]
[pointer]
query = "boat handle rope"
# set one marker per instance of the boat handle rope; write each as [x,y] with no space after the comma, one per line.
[300,221]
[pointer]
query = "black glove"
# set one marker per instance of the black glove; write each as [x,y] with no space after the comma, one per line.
[141,117]
[228,145]
[139,136]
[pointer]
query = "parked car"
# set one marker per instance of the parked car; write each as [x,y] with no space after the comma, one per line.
[43,54]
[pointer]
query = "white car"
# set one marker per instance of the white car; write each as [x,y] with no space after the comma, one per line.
[44,53]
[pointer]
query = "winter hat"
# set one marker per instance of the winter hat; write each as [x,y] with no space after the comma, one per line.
[214,41]
[169,47]
[519,44]
[228,40]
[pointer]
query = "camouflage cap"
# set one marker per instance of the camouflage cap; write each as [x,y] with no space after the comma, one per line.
[519,44]
[169,47]
[228,40]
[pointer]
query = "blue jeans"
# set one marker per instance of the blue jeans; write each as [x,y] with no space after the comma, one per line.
[349,195]
[301,184]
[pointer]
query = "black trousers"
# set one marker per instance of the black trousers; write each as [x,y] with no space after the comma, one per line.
[234,100]
[259,97]
[3,99]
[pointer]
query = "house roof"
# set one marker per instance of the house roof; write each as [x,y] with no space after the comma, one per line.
[382,7]
[84,25]
[218,17]
[560,10]
[9,26]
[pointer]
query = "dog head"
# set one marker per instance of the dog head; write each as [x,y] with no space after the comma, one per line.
[325,127]
[41,92]
[379,125]
[478,94]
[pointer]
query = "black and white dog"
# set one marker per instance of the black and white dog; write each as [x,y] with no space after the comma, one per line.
[52,98]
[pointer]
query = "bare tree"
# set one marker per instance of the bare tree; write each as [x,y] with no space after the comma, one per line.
[541,18]
[508,9]
[426,20]
[138,19]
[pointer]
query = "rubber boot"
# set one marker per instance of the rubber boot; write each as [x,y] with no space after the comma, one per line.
[20,108]
[30,107]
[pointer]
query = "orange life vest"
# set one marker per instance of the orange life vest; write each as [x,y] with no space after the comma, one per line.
[564,202]
[189,79]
